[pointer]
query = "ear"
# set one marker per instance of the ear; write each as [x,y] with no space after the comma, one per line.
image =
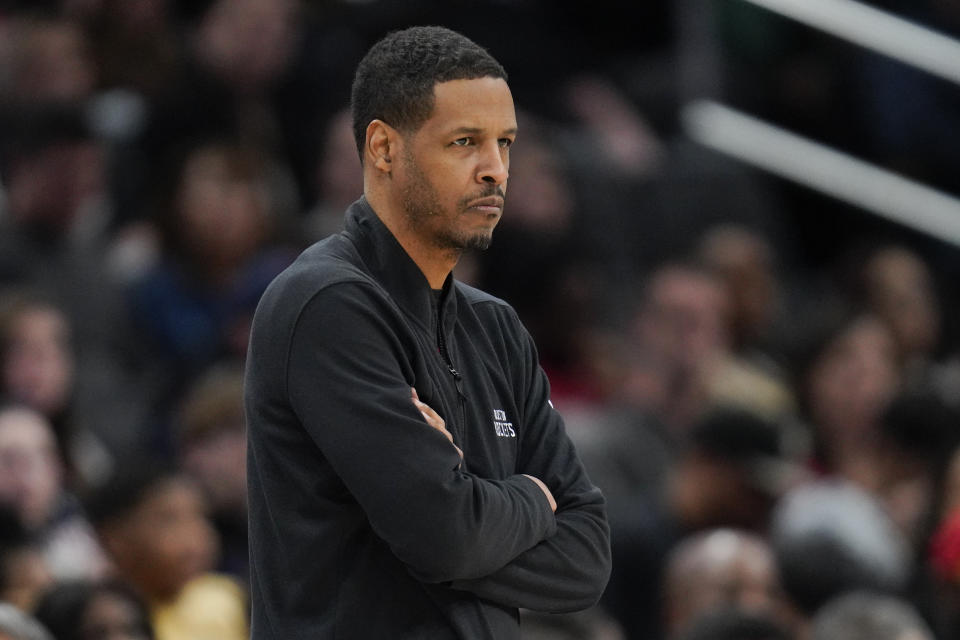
[382,139]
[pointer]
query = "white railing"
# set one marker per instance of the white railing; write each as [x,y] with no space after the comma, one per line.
[878,30]
[818,166]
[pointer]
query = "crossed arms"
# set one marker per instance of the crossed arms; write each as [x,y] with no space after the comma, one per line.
[537,539]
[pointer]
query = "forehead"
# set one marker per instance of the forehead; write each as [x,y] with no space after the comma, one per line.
[478,103]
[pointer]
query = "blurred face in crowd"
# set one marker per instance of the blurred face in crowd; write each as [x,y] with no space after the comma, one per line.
[707,491]
[685,317]
[30,472]
[52,63]
[722,568]
[451,173]
[901,292]
[50,189]
[853,379]
[744,260]
[249,43]
[222,205]
[165,541]
[110,616]
[218,463]
[37,367]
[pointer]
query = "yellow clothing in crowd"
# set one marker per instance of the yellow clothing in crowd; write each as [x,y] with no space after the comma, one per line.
[210,607]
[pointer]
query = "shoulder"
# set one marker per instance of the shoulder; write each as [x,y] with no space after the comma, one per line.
[326,262]
[493,313]
[473,297]
[332,261]
[326,276]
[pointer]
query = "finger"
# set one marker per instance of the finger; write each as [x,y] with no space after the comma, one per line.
[431,416]
[428,411]
[414,393]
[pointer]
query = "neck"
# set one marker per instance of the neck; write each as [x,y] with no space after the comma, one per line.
[434,262]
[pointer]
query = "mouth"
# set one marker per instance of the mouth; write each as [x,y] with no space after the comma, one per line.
[490,205]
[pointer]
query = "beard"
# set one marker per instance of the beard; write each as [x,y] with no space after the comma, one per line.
[424,213]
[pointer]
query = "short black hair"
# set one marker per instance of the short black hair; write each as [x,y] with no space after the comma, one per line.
[128,488]
[395,79]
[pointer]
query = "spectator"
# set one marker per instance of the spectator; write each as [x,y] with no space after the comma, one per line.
[52,241]
[685,360]
[38,368]
[718,569]
[35,352]
[851,373]
[918,433]
[31,474]
[731,474]
[133,43]
[153,523]
[55,179]
[107,610]
[734,471]
[868,616]
[682,332]
[218,227]
[49,63]
[255,71]
[899,288]
[212,447]
[744,260]
[831,537]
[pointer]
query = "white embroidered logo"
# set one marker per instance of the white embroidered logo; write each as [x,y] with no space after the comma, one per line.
[503,428]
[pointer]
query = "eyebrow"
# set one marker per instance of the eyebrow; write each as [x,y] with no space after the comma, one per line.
[475,130]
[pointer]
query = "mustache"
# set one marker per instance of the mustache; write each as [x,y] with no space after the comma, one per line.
[486,192]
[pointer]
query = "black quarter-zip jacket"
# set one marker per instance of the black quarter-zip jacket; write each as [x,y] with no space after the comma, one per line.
[364,522]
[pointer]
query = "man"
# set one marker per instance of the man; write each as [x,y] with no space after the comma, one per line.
[408,475]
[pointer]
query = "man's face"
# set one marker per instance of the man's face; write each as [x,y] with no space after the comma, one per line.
[452,172]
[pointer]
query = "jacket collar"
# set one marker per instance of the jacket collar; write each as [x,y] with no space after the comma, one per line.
[393,268]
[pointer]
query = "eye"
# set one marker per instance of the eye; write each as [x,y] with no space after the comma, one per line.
[461,142]
[505,142]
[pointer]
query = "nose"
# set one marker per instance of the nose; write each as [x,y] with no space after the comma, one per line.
[494,165]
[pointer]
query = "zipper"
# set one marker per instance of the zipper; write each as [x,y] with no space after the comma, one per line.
[457,378]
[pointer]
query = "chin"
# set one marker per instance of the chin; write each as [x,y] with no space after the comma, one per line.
[480,242]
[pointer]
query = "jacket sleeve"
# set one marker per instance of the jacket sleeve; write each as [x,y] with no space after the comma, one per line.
[349,382]
[567,571]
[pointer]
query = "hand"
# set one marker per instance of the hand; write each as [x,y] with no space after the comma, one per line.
[434,420]
[546,491]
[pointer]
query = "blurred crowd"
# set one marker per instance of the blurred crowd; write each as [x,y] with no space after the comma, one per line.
[765,383]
